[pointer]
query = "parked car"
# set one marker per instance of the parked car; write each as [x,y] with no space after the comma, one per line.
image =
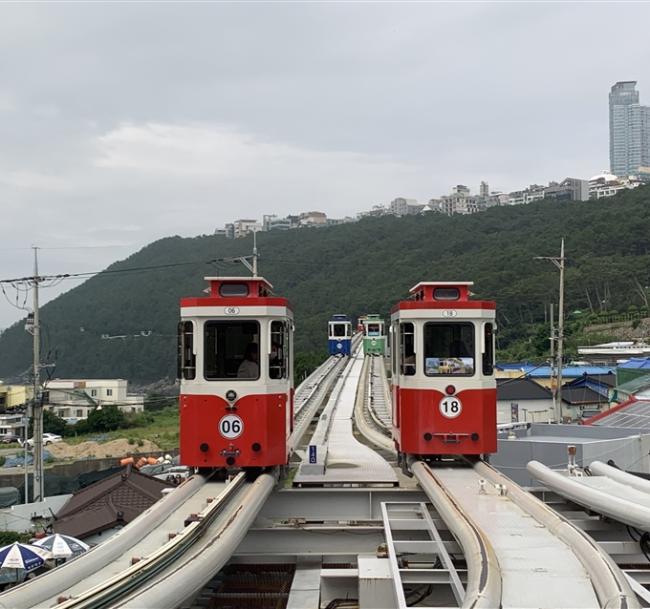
[166,471]
[48,438]
[8,438]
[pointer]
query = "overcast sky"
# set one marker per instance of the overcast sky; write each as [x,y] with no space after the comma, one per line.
[122,123]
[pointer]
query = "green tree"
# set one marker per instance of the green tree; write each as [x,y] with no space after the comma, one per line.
[106,418]
[51,424]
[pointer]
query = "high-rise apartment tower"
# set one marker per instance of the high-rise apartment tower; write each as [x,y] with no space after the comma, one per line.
[629,130]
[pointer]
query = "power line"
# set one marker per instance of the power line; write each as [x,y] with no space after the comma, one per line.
[63,276]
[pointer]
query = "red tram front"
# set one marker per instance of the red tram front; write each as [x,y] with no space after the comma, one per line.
[444,390]
[236,371]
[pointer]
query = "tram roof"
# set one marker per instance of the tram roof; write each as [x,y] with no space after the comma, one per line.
[240,279]
[446,284]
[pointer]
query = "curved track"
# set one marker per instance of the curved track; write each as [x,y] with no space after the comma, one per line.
[532,545]
[46,588]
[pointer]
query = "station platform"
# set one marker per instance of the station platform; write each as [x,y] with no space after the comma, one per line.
[347,461]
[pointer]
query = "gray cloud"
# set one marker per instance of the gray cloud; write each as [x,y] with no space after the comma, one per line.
[115,117]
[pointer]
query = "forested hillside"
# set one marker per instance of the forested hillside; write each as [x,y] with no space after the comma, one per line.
[353,268]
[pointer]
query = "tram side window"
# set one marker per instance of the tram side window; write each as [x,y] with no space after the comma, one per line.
[407,348]
[279,356]
[449,349]
[231,350]
[186,357]
[488,354]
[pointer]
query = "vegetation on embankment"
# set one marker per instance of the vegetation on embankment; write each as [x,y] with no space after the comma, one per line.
[356,268]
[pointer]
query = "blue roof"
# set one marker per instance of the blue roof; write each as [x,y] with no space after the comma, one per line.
[545,371]
[637,363]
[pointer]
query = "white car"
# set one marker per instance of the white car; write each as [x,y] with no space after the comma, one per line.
[48,438]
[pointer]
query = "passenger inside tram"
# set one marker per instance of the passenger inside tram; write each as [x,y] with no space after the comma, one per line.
[250,367]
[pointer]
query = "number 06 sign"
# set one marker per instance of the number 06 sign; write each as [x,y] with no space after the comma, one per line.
[450,407]
[231,426]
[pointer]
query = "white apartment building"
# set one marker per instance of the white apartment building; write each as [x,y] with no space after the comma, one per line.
[460,201]
[376,211]
[607,185]
[244,227]
[534,192]
[12,423]
[313,218]
[74,399]
[405,207]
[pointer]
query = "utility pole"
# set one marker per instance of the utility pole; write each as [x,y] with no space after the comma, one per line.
[556,414]
[254,253]
[560,328]
[559,263]
[37,405]
[251,266]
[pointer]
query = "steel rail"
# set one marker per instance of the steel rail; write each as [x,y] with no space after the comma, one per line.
[609,582]
[377,392]
[483,589]
[601,469]
[618,508]
[139,573]
[310,385]
[317,395]
[35,592]
[372,432]
[185,578]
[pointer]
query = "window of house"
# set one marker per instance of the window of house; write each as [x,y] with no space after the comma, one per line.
[93,393]
[109,392]
[279,356]
[449,349]
[407,348]
[231,350]
[80,413]
[186,357]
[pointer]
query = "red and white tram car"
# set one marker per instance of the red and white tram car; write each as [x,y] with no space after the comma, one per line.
[236,371]
[444,390]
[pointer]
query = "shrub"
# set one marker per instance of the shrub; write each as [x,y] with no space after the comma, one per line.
[140,442]
[7,537]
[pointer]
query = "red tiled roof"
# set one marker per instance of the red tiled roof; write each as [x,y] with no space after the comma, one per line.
[606,413]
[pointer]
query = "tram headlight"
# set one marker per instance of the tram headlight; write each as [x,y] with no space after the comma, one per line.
[231,395]
[450,390]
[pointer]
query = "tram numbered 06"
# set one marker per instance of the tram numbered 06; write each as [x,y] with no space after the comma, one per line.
[235,362]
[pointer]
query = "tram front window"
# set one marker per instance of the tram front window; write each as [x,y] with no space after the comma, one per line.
[373,330]
[338,330]
[449,349]
[231,350]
